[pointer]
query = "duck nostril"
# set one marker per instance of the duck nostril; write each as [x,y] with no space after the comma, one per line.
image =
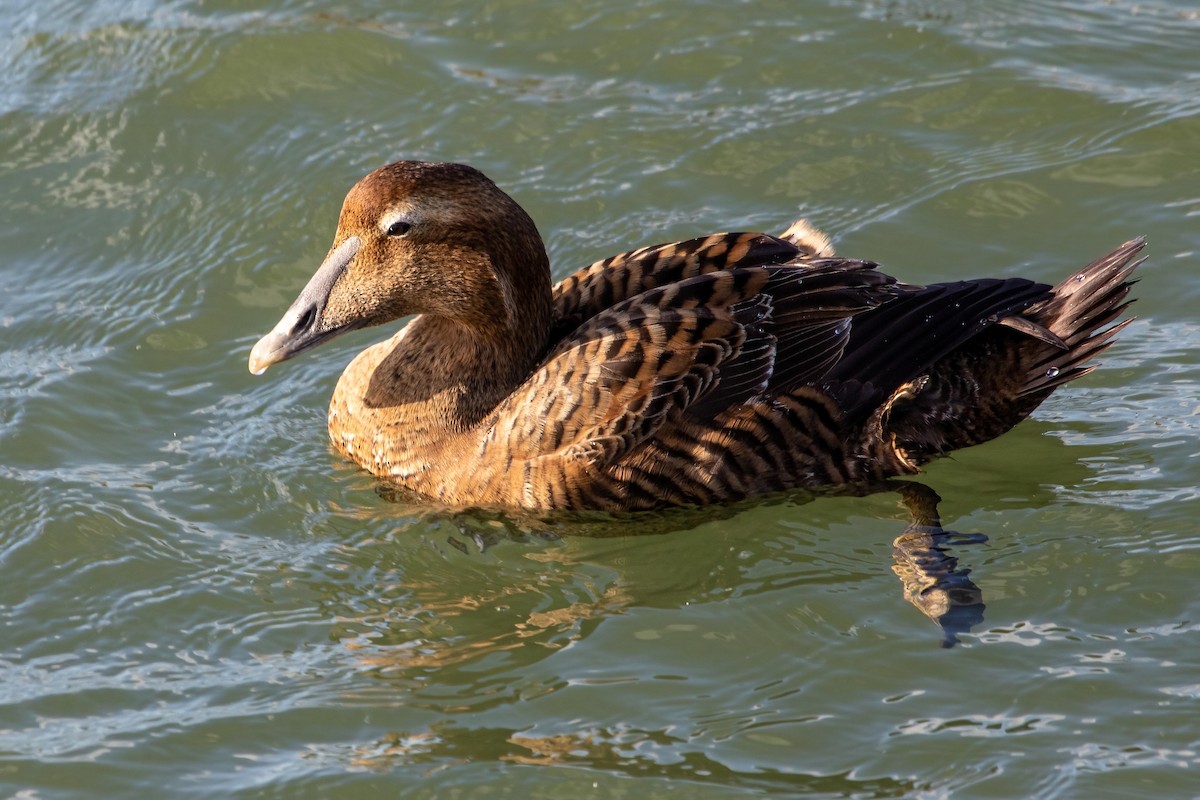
[305,321]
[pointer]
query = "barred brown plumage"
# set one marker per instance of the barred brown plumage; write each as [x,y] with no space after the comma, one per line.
[692,372]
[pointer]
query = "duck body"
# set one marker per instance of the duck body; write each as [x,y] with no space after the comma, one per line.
[692,372]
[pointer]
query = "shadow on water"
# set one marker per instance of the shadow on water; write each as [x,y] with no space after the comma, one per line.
[922,553]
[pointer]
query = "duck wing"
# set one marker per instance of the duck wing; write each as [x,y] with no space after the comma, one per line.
[597,287]
[790,348]
[812,312]
[676,353]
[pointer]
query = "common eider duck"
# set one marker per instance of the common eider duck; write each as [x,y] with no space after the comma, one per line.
[688,373]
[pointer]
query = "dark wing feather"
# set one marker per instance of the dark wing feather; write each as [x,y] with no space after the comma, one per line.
[814,312]
[897,342]
[803,334]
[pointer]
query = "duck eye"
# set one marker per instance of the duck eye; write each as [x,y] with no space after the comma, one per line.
[398,228]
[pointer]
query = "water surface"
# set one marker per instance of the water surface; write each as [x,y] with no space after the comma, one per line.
[198,598]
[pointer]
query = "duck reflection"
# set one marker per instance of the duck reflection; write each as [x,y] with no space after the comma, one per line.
[933,582]
[922,555]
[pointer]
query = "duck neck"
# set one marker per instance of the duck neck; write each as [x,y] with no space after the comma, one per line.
[442,376]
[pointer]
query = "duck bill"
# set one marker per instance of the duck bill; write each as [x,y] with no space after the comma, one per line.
[302,326]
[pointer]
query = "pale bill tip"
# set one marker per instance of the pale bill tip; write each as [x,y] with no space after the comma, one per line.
[258,357]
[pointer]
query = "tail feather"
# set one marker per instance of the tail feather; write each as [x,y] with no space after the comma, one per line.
[1065,366]
[1080,312]
[1092,297]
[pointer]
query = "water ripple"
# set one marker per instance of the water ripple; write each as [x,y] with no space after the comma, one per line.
[198,594]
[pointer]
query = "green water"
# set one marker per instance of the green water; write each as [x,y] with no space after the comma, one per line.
[199,599]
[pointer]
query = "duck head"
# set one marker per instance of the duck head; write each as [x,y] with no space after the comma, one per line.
[438,239]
